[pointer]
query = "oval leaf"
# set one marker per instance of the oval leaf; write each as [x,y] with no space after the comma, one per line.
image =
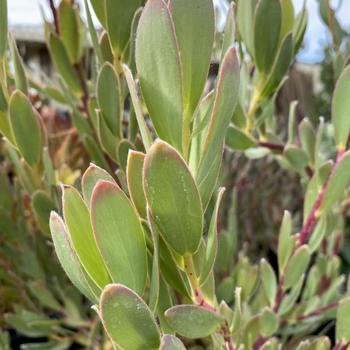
[341,109]
[127,319]
[192,321]
[173,198]
[76,216]
[119,235]
[26,128]
[160,72]
[170,342]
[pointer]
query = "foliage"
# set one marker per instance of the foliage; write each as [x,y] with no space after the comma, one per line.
[140,233]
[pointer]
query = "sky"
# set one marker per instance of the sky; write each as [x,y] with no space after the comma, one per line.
[27,12]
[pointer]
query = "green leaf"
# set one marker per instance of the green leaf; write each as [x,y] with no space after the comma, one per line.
[119,236]
[297,266]
[21,80]
[308,138]
[109,98]
[268,322]
[127,319]
[134,173]
[245,22]
[296,157]
[69,29]
[192,321]
[119,16]
[212,241]
[267,29]
[280,66]
[144,131]
[288,17]
[68,257]
[285,241]
[61,61]
[123,149]
[343,319]
[238,140]
[299,29]
[170,342]
[269,280]
[226,97]
[77,219]
[195,28]
[26,128]
[90,178]
[338,181]
[3,28]
[160,72]
[107,140]
[229,30]
[43,205]
[341,108]
[100,11]
[173,198]
[106,49]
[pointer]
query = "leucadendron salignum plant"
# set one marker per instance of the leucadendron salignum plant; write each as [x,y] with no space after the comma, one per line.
[138,236]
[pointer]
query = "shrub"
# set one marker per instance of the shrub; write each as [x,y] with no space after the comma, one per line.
[138,234]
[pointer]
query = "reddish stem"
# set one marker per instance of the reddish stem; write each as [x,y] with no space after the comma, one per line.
[311,221]
[272,146]
[55,16]
[319,311]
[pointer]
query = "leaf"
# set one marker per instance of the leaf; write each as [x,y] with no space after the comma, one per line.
[229,30]
[192,321]
[119,16]
[64,67]
[67,256]
[93,32]
[341,108]
[21,80]
[134,173]
[77,219]
[226,96]
[299,29]
[288,17]
[107,140]
[245,22]
[109,98]
[119,236]
[308,138]
[173,198]
[3,28]
[268,322]
[269,280]
[100,11]
[238,140]
[343,319]
[339,180]
[69,29]
[280,67]
[170,342]
[285,241]
[160,72]
[266,35]
[43,205]
[123,149]
[297,266]
[26,128]
[296,156]
[144,131]
[127,319]
[90,178]
[195,28]
[212,241]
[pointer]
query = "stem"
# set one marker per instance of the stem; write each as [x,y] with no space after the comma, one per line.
[55,16]
[253,107]
[199,299]
[313,217]
[319,311]
[272,146]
